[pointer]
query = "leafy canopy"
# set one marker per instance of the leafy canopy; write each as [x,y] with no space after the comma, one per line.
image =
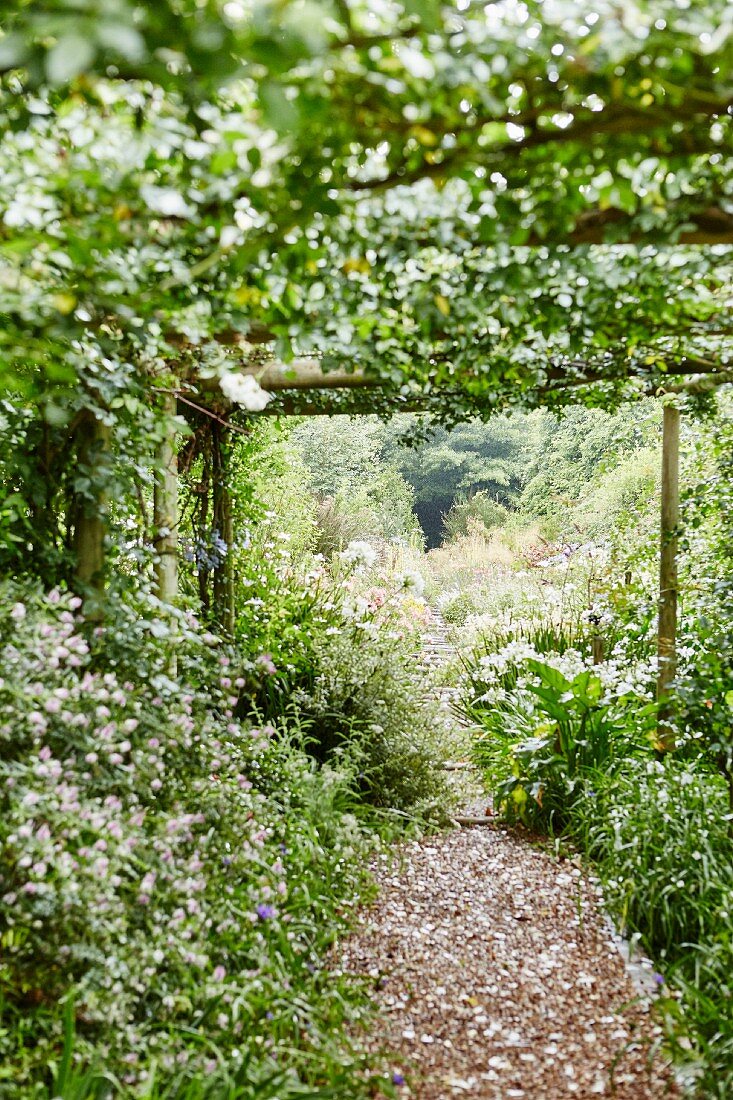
[472,203]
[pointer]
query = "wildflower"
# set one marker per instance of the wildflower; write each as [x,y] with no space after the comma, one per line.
[265,662]
[398,1079]
[266,912]
[359,554]
[18,612]
[413,581]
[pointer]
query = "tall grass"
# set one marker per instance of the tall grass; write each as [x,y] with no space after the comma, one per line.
[658,836]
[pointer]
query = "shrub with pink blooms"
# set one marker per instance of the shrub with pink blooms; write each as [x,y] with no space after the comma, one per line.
[165,870]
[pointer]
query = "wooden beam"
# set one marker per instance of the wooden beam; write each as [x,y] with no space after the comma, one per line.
[710,226]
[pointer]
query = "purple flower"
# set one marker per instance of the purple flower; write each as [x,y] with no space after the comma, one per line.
[266,912]
[398,1079]
[659,979]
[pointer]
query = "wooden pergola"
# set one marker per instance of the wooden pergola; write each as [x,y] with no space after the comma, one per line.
[306,376]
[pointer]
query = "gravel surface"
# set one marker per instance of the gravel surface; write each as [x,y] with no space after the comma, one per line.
[496,977]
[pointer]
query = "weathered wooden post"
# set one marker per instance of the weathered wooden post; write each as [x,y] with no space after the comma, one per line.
[165,508]
[87,517]
[667,623]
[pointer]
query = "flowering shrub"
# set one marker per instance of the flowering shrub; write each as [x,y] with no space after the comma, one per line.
[151,876]
[335,658]
[367,703]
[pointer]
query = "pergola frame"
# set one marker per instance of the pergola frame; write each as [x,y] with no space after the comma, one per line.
[306,375]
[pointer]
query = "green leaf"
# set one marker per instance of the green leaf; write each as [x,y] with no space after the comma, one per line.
[72,54]
[13,51]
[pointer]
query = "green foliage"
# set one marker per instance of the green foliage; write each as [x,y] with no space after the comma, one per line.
[353,472]
[458,608]
[658,835]
[367,703]
[705,678]
[340,667]
[483,460]
[478,508]
[601,473]
[548,732]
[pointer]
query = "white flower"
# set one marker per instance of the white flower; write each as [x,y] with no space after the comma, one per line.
[360,554]
[166,201]
[244,390]
[416,63]
[229,236]
[18,612]
[413,582]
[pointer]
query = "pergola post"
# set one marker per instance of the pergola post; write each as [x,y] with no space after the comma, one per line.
[668,585]
[165,509]
[87,511]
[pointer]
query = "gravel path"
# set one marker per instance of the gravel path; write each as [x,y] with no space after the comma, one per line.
[496,977]
[495,971]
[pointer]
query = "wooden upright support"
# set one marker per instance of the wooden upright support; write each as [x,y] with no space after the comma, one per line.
[87,511]
[667,626]
[165,509]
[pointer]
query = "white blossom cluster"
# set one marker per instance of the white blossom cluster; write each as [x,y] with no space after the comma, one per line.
[620,680]
[244,390]
[359,554]
[412,581]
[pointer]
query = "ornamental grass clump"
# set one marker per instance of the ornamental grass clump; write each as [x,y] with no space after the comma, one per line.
[155,894]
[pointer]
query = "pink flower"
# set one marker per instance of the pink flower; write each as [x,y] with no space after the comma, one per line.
[18,612]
